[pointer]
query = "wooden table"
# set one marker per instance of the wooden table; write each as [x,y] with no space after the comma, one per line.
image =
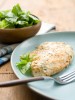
[59,12]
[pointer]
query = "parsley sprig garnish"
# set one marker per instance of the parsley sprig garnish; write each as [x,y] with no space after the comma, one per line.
[24,65]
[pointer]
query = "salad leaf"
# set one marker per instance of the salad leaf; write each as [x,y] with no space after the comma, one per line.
[16,10]
[9,14]
[3,14]
[11,20]
[24,65]
[33,19]
[5,24]
[21,24]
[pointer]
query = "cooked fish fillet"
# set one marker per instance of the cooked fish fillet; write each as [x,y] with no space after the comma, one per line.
[51,58]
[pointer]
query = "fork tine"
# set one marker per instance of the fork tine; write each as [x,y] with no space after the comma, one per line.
[69,80]
[68,75]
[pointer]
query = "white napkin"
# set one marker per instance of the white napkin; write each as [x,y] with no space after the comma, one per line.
[45,27]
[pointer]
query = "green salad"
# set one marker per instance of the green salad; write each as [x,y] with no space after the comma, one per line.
[17,18]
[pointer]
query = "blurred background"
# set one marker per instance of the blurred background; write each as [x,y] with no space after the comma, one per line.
[59,12]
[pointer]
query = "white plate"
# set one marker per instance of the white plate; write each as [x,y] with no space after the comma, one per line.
[47,88]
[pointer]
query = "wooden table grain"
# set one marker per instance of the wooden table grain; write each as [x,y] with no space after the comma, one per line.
[59,12]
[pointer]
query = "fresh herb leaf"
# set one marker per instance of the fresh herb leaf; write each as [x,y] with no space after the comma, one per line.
[24,65]
[26,68]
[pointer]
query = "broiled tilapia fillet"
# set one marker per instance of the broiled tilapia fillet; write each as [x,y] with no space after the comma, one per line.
[51,58]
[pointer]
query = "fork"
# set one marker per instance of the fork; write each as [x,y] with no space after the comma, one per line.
[60,80]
